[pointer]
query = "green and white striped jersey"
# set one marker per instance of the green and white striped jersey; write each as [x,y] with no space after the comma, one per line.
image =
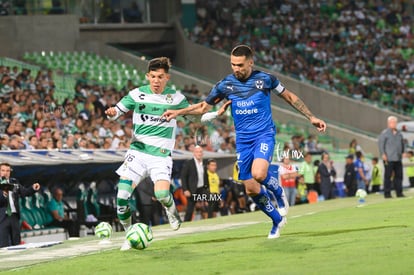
[152,135]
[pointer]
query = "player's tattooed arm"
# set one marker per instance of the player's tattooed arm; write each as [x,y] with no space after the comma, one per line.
[297,103]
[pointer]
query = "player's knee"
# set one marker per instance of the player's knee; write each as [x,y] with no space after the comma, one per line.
[259,175]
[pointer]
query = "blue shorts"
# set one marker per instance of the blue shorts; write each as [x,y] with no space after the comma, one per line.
[247,151]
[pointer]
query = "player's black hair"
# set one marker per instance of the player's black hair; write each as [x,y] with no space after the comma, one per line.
[375,159]
[159,63]
[242,50]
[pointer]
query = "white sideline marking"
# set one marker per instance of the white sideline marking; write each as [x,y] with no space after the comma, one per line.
[15,259]
[306,214]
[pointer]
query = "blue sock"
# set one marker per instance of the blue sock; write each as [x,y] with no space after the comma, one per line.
[271,182]
[262,200]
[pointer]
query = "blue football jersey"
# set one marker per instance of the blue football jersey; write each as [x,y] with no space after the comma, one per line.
[250,107]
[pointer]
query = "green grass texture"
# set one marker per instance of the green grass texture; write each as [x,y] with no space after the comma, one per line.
[339,236]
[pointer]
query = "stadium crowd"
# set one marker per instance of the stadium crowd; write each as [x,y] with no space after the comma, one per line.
[31,118]
[364,49]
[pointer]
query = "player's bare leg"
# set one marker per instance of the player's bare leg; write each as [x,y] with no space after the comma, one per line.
[164,196]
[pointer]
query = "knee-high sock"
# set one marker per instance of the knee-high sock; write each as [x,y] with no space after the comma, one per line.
[122,202]
[271,182]
[262,200]
[167,200]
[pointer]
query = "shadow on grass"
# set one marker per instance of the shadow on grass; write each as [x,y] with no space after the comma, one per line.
[227,239]
[341,231]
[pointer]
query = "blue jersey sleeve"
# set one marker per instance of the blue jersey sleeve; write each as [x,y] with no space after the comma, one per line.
[216,94]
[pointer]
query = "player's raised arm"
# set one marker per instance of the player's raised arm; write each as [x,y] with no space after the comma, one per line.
[213,115]
[113,113]
[299,105]
[195,109]
[110,112]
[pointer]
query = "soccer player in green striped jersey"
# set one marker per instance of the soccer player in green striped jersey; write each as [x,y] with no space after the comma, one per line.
[152,142]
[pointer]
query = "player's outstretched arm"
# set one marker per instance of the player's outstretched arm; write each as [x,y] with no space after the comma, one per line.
[195,109]
[112,113]
[213,115]
[299,105]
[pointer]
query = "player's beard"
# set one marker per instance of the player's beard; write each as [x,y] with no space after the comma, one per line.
[242,76]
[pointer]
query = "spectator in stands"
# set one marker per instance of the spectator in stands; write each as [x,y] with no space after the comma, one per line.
[43,143]
[354,147]
[224,148]
[29,109]
[194,187]
[288,173]
[105,129]
[311,145]
[70,142]
[58,217]
[33,143]
[5,140]
[327,174]
[16,143]
[9,205]
[330,49]
[350,179]
[391,148]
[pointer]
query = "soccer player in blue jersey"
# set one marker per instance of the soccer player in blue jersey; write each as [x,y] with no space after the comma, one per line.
[249,93]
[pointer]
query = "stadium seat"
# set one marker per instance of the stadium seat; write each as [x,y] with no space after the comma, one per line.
[25,213]
[40,207]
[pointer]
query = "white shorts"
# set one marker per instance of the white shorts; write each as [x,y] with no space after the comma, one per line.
[138,166]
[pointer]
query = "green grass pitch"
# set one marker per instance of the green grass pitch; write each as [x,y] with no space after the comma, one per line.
[330,237]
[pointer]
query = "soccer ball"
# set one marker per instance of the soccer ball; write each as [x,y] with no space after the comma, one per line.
[139,236]
[361,194]
[103,230]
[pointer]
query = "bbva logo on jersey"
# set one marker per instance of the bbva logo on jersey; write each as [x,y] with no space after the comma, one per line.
[259,84]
